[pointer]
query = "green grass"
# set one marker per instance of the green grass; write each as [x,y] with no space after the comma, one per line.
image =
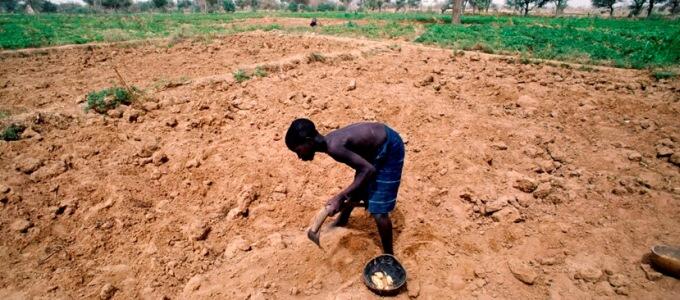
[12,132]
[260,72]
[107,99]
[388,30]
[658,75]
[241,75]
[645,43]
[621,43]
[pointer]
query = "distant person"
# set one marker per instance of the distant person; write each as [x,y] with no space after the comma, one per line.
[313,23]
[375,151]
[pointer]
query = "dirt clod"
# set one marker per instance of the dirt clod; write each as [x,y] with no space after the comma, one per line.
[522,271]
[107,292]
[21,225]
[650,273]
[352,85]
[508,214]
[525,185]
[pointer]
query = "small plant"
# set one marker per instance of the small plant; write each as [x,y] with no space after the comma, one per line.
[314,57]
[4,114]
[394,47]
[240,75]
[260,72]
[12,132]
[107,99]
[585,68]
[658,75]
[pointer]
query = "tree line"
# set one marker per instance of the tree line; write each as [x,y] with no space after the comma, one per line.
[523,7]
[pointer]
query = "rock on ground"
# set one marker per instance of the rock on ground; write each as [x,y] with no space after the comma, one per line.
[21,225]
[107,292]
[352,85]
[199,231]
[543,190]
[618,280]
[507,215]
[650,273]
[236,245]
[496,205]
[675,159]
[588,273]
[663,151]
[522,271]
[525,185]
[28,165]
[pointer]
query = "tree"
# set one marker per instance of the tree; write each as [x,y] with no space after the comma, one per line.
[48,7]
[242,3]
[182,4]
[650,7]
[605,4]
[9,5]
[116,4]
[229,6]
[292,6]
[636,7]
[347,3]
[268,4]
[253,4]
[456,11]
[673,7]
[374,4]
[524,6]
[413,3]
[400,4]
[560,5]
[160,3]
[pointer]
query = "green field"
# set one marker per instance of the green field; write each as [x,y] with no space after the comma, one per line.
[626,43]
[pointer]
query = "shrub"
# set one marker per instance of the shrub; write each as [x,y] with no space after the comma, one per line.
[325,6]
[12,132]
[260,72]
[107,99]
[48,7]
[241,75]
[658,75]
[292,6]
[316,57]
[229,6]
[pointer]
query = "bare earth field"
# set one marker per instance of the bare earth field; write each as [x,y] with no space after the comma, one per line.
[524,181]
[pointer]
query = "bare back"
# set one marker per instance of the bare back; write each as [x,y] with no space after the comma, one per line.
[363,139]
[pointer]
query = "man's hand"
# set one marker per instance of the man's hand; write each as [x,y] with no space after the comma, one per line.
[333,205]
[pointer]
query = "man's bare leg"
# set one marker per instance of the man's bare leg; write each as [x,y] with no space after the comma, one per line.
[343,218]
[385,230]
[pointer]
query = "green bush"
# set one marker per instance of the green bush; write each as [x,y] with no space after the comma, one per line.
[292,6]
[326,6]
[12,132]
[241,75]
[260,72]
[229,6]
[658,75]
[107,99]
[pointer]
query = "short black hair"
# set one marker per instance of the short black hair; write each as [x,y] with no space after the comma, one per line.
[299,132]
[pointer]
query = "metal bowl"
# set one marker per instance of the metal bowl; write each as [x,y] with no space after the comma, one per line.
[666,258]
[389,265]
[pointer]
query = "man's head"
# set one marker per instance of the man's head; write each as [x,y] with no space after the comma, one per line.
[301,138]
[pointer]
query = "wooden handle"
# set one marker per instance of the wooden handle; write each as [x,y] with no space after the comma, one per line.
[318,220]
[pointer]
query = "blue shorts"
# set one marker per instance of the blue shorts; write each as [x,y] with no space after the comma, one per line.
[381,192]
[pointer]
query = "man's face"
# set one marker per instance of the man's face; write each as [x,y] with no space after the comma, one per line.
[305,151]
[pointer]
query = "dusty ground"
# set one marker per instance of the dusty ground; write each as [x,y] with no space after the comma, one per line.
[199,197]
